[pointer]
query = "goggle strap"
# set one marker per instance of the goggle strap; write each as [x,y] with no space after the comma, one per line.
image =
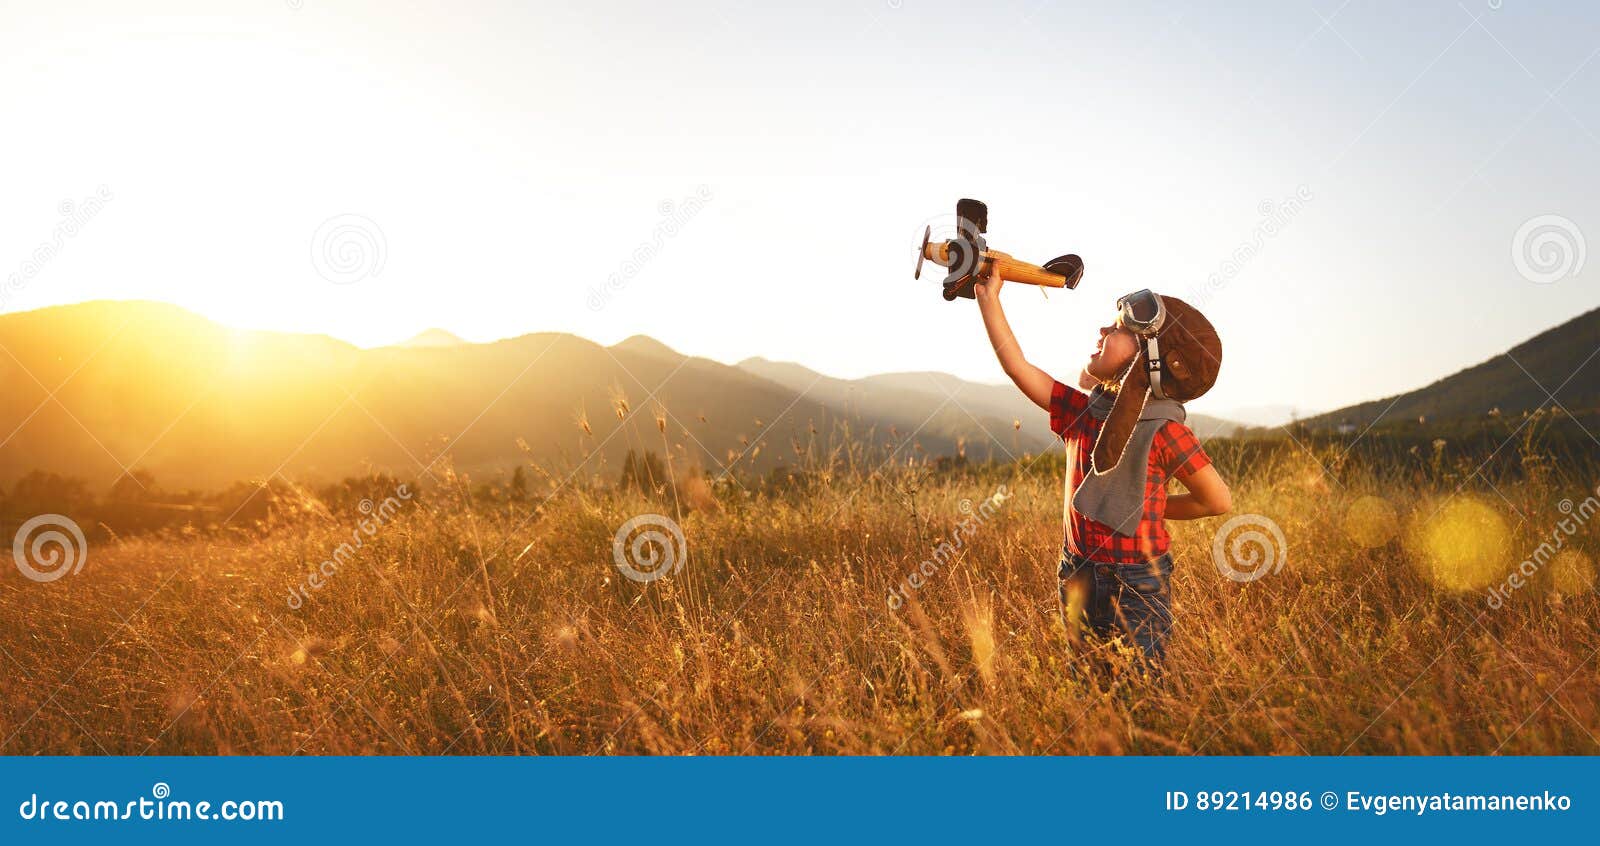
[1152,357]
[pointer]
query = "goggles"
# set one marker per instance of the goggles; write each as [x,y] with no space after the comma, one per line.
[1143,314]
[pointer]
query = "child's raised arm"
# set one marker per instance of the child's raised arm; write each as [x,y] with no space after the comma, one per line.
[1033,382]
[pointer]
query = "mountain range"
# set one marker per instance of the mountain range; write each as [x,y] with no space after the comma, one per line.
[97,389]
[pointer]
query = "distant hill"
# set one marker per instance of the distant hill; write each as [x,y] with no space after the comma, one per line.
[432,338]
[96,387]
[1560,360]
[934,404]
[1267,415]
[914,397]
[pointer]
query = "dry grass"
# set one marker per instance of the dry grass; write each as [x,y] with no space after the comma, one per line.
[473,627]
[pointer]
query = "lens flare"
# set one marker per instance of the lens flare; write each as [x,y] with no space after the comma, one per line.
[1467,545]
[1371,522]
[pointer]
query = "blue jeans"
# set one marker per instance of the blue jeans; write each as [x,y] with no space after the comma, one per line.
[1133,601]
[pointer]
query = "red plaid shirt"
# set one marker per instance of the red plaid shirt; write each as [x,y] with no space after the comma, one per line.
[1175,454]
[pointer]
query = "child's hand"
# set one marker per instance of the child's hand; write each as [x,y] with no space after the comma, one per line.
[987,289]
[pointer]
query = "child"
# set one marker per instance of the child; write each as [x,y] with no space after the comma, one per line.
[1125,438]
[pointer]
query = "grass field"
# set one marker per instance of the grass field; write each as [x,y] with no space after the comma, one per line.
[469,624]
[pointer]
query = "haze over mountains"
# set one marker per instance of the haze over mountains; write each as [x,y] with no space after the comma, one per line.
[96,388]
[955,402]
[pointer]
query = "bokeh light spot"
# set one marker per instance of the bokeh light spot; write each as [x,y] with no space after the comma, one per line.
[1372,521]
[1468,545]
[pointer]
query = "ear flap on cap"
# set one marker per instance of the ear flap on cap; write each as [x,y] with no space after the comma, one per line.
[1191,351]
[1118,428]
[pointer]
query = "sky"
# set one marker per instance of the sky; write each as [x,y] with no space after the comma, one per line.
[1364,197]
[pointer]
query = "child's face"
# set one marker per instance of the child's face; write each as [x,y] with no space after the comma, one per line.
[1113,354]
